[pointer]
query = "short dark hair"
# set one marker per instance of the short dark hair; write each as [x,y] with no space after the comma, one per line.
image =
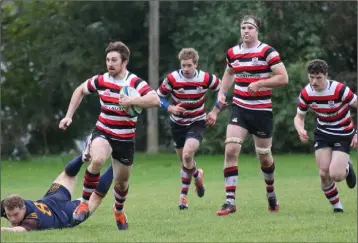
[14,201]
[317,66]
[255,18]
[119,47]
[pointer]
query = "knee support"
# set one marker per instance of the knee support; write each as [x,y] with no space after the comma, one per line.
[263,151]
[234,140]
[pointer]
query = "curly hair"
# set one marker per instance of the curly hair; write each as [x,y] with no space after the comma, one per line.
[13,201]
[188,53]
[317,66]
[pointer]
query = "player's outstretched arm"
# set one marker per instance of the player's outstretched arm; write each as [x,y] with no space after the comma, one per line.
[279,78]
[148,100]
[76,99]
[299,122]
[226,83]
[13,229]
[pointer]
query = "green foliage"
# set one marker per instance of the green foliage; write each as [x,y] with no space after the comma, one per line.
[285,100]
[50,47]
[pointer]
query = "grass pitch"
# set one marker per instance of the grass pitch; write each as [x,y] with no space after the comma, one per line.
[305,214]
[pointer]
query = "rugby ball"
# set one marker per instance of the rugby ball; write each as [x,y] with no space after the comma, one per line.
[133,111]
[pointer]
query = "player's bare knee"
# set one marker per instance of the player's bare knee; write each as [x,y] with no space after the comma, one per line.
[97,161]
[121,185]
[266,160]
[324,174]
[264,155]
[263,152]
[337,176]
[231,154]
[188,157]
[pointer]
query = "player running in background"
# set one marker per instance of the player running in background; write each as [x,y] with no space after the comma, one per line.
[335,132]
[187,88]
[55,209]
[256,68]
[114,135]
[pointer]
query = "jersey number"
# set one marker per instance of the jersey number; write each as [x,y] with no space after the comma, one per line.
[43,208]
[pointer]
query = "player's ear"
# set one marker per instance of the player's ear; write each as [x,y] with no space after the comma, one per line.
[125,62]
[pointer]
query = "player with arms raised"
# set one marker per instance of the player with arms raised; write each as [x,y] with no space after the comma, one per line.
[335,132]
[114,134]
[256,68]
[188,87]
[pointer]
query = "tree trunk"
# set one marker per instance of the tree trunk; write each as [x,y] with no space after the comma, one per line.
[152,113]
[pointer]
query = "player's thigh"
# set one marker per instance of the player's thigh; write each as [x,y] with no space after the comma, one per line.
[122,160]
[262,142]
[123,151]
[121,172]
[263,148]
[57,193]
[342,144]
[235,136]
[191,146]
[194,137]
[238,117]
[178,133]
[100,148]
[261,124]
[339,163]
[68,182]
[323,157]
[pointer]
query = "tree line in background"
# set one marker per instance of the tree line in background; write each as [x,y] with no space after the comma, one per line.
[49,47]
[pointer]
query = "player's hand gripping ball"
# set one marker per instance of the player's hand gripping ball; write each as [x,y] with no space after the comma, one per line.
[131,92]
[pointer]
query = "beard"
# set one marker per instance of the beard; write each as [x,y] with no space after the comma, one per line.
[114,73]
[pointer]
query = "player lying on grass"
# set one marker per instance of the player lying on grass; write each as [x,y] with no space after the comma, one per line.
[55,209]
[335,132]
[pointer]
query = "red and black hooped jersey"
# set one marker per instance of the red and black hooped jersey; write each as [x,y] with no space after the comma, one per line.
[190,93]
[331,107]
[113,120]
[251,65]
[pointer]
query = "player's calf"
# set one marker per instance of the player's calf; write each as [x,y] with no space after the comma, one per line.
[185,176]
[74,166]
[231,176]
[330,191]
[268,170]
